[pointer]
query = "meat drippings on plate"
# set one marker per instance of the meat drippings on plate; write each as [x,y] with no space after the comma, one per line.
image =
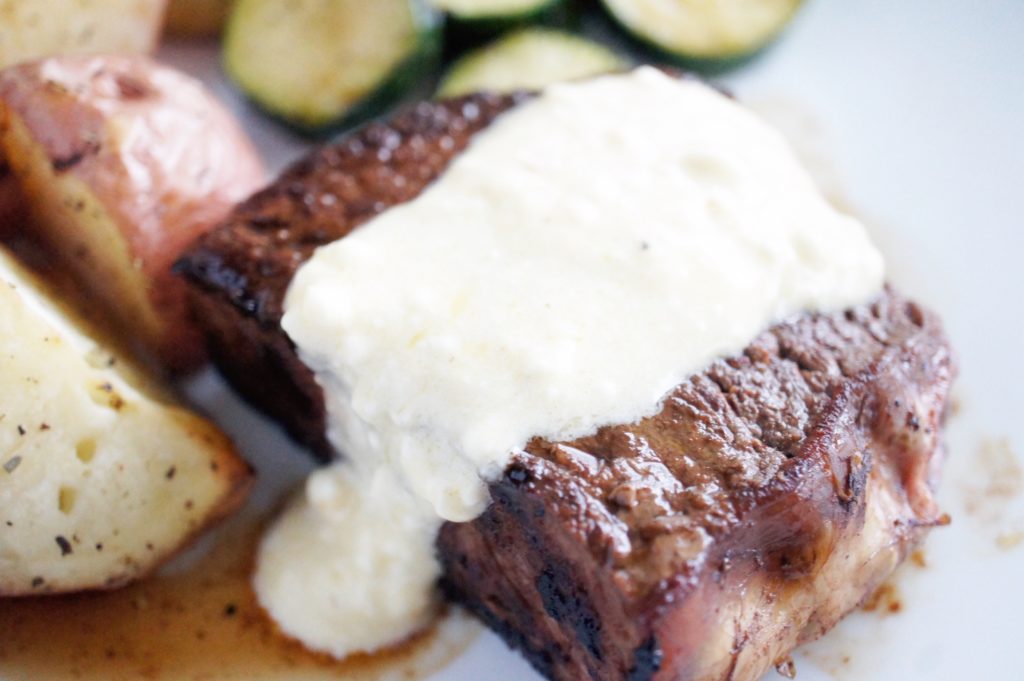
[201,622]
[587,253]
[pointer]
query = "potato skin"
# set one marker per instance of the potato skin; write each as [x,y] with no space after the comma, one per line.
[12,204]
[123,163]
[197,18]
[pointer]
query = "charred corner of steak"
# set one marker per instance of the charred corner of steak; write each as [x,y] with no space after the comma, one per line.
[773,493]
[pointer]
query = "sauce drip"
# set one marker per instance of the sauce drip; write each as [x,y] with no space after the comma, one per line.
[198,623]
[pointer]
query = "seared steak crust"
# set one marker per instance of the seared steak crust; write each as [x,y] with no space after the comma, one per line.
[772,493]
[240,271]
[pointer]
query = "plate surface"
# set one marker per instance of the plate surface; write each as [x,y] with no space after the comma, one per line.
[912,115]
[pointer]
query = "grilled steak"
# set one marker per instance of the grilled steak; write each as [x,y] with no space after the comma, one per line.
[241,271]
[773,492]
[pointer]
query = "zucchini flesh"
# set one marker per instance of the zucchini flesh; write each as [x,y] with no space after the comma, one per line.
[317,63]
[512,10]
[528,60]
[704,29]
[470,21]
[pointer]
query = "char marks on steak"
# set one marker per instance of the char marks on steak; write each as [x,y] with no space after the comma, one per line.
[240,271]
[771,494]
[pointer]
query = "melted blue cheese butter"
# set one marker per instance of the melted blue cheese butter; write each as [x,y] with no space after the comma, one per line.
[582,257]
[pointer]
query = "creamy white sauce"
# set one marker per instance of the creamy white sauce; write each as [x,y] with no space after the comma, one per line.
[584,255]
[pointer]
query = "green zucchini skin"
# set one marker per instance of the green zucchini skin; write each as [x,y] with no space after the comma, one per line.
[705,66]
[702,64]
[506,64]
[421,66]
[468,30]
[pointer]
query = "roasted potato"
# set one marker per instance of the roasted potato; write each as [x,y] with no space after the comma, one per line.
[122,163]
[30,29]
[102,476]
[197,17]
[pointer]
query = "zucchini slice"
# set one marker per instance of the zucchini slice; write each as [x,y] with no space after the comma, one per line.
[528,60]
[704,30]
[322,64]
[491,16]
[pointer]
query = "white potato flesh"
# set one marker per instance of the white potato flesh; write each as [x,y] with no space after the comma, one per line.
[30,29]
[100,478]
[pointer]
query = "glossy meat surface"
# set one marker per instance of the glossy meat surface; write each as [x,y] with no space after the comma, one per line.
[241,271]
[773,492]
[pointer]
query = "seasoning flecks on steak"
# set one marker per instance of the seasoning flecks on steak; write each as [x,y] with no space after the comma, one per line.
[772,493]
[240,271]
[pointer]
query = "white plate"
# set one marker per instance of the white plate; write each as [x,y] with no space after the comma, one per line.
[913,113]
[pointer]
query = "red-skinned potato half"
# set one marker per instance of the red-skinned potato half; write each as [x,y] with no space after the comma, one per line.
[123,163]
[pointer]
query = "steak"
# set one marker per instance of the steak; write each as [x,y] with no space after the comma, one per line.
[773,492]
[240,271]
